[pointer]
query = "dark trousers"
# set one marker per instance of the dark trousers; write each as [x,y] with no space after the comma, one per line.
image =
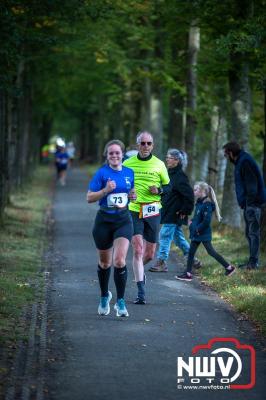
[252,221]
[211,251]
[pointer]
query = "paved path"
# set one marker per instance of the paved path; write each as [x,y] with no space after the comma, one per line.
[107,358]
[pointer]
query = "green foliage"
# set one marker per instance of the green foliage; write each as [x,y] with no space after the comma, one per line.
[22,240]
[245,290]
[87,53]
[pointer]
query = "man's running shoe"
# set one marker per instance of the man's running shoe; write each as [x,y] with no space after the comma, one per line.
[186,276]
[230,270]
[120,308]
[140,300]
[104,307]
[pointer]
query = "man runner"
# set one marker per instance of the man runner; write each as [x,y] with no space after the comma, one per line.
[151,180]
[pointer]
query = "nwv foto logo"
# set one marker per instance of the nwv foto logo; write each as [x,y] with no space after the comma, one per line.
[231,366]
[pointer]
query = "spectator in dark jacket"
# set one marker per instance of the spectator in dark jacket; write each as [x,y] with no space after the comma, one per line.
[200,229]
[251,194]
[177,204]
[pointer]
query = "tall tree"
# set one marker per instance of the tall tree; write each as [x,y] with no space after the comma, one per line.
[193,49]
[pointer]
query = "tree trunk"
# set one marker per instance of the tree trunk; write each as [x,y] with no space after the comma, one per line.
[240,106]
[264,147]
[202,164]
[222,134]
[25,122]
[14,138]
[157,122]
[240,100]
[45,130]
[191,123]
[4,173]
[213,160]
[175,126]
[230,210]
[102,136]
[119,131]
[263,217]
[146,106]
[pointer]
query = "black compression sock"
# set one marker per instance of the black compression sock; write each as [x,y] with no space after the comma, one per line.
[103,276]
[120,278]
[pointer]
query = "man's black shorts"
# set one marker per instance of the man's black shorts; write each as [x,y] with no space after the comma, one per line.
[147,227]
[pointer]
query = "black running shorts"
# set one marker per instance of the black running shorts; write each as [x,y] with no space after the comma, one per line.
[147,227]
[108,227]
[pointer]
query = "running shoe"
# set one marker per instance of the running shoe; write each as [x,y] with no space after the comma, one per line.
[120,308]
[139,301]
[104,307]
[186,276]
[230,270]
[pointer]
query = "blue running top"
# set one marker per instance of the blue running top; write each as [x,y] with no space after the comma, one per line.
[124,180]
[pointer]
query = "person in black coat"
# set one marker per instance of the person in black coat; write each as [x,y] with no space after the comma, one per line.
[200,229]
[177,204]
[251,195]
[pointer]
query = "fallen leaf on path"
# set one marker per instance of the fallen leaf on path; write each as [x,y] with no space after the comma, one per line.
[242,318]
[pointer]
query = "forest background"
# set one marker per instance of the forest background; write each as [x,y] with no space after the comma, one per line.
[191,72]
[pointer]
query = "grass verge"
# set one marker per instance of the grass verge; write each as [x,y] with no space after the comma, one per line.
[22,241]
[244,290]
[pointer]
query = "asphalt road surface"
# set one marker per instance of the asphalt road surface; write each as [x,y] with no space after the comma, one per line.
[88,357]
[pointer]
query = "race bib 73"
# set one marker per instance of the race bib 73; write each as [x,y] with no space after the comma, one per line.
[117,200]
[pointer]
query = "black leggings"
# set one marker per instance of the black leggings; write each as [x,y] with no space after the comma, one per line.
[211,251]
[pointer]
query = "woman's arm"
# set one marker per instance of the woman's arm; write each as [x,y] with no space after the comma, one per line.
[95,196]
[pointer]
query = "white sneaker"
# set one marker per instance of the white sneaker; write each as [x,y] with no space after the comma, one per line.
[120,308]
[104,306]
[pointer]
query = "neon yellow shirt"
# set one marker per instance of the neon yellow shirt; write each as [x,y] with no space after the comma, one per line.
[147,173]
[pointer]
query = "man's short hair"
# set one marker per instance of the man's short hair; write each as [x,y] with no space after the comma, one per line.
[138,137]
[232,147]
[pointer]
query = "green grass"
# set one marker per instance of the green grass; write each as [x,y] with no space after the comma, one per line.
[244,290]
[22,241]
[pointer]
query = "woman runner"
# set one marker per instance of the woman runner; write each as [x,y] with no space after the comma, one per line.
[113,186]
